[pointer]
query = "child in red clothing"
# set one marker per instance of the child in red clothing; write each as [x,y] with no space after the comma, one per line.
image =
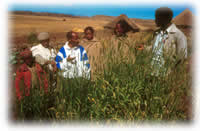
[23,75]
[23,80]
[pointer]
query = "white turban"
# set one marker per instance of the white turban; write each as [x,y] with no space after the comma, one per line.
[43,36]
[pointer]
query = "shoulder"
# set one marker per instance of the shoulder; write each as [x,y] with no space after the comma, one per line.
[81,47]
[64,47]
[36,46]
[156,32]
[178,33]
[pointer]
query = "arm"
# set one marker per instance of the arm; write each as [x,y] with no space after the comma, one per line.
[181,49]
[86,65]
[19,76]
[181,45]
[59,58]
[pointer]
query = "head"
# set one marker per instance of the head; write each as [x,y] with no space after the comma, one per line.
[44,39]
[89,33]
[26,56]
[73,38]
[163,16]
[121,28]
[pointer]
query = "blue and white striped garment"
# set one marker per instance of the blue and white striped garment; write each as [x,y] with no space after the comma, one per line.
[79,67]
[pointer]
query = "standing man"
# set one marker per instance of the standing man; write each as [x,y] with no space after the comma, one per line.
[72,58]
[44,55]
[121,28]
[121,44]
[169,45]
[94,50]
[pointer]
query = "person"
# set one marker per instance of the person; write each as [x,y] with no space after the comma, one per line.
[23,79]
[44,55]
[121,28]
[169,43]
[94,50]
[120,43]
[72,58]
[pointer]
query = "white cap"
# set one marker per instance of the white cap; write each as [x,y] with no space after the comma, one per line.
[43,36]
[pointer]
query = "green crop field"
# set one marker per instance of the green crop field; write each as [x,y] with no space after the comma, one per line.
[122,91]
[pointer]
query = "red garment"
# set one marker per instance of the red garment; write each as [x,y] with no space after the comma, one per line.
[23,73]
[42,76]
[26,54]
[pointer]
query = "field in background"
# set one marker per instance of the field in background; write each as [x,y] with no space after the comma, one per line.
[125,92]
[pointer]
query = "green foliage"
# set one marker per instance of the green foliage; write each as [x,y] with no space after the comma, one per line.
[13,58]
[32,38]
[123,92]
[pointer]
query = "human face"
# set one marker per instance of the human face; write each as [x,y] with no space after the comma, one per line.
[119,30]
[88,34]
[45,43]
[75,39]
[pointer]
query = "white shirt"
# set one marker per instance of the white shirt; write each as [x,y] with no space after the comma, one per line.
[45,53]
[79,67]
[171,42]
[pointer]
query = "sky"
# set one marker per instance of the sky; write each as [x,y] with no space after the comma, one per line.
[132,11]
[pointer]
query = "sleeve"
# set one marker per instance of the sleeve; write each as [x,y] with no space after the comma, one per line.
[181,45]
[53,54]
[59,58]
[86,64]
[19,76]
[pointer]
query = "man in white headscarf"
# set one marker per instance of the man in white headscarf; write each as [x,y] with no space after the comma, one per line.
[45,55]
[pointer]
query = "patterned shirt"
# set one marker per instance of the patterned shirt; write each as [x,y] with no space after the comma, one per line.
[79,67]
[169,43]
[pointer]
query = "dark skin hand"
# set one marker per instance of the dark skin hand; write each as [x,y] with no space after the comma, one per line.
[53,64]
[69,59]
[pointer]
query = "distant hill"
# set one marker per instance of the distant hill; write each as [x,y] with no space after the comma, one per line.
[104,17]
[43,14]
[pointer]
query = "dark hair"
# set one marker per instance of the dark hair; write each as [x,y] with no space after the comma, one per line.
[165,13]
[69,35]
[124,25]
[89,28]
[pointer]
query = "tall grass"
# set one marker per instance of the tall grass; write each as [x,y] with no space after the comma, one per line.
[124,91]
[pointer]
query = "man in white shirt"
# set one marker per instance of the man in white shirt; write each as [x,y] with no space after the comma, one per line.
[169,43]
[44,55]
[72,58]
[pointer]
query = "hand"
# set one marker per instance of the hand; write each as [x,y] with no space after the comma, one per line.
[69,59]
[47,62]
[54,66]
[140,47]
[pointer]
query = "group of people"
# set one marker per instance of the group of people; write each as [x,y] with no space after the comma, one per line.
[75,58]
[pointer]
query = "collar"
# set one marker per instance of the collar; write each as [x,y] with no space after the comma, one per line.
[41,46]
[93,40]
[68,48]
[172,28]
